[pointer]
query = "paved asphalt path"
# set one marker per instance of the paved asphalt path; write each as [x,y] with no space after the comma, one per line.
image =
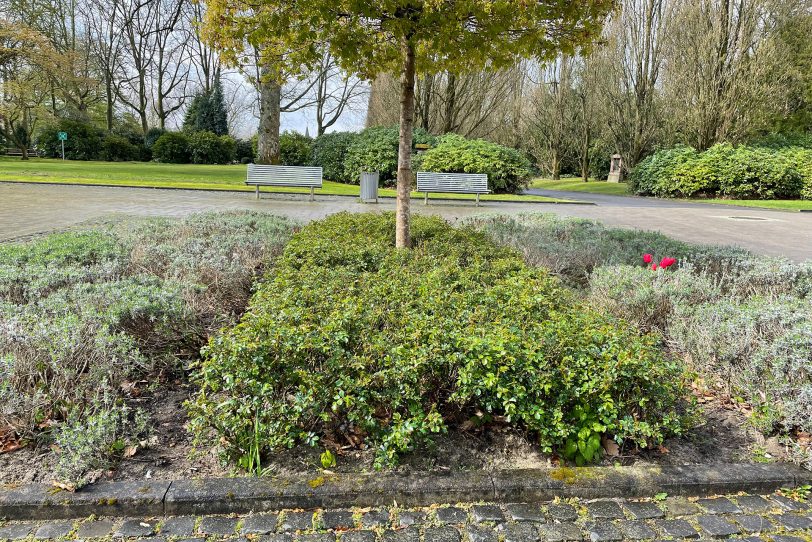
[28,209]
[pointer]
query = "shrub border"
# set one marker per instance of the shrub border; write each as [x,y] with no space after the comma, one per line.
[244,495]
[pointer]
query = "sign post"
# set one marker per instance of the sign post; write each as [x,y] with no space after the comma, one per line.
[63,136]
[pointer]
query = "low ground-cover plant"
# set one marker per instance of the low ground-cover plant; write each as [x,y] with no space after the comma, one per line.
[572,248]
[83,313]
[353,339]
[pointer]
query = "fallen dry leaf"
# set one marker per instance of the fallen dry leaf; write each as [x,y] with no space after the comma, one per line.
[610,447]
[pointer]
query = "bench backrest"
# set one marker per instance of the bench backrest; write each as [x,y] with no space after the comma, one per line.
[284,175]
[452,182]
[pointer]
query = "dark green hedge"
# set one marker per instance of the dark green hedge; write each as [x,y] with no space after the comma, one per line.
[767,171]
[397,345]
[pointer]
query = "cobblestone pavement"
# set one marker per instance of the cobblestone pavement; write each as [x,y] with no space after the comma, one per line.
[27,209]
[744,517]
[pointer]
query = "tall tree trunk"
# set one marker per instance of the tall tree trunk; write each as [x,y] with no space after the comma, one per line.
[425,102]
[402,237]
[109,91]
[270,94]
[450,103]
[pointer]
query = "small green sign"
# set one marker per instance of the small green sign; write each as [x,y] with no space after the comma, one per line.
[63,136]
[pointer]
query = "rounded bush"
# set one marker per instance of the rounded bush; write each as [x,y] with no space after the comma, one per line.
[172,148]
[295,149]
[152,136]
[349,332]
[84,140]
[376,149]
[244,151]
[116,148]
[209,148]
[507,169]
[330,151]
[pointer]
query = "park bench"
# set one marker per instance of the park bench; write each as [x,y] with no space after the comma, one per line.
[458,183]
[19,152]
[262,175]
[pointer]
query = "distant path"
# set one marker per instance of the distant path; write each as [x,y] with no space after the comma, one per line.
[27,209]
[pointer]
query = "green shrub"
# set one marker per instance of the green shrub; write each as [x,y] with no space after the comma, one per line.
[84,140]
[244,151]
[116,148]
[507,169]
[376,149]
[349,332]
[172,148]
[295,149]
[330,152]
[743,172]
[209,148]
[152,135]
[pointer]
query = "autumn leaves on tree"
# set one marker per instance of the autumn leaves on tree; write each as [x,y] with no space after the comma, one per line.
[405,37]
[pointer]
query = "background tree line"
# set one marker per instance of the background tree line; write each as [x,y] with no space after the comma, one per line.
[665,72]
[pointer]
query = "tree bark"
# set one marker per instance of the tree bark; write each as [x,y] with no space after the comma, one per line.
[270,95]
[450,103]
[402,237]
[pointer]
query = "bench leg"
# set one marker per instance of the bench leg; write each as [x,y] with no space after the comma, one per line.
[311,193]
[426,201]
[257,191]
[477,199]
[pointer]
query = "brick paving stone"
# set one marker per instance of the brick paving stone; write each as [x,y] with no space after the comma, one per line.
[487,512]
[375,518]
[560,532]
[793,522]
[785,538]
[525,512]
[441,534]
[16,531]
[482,533]
[151,539]
[520,532]
[259,524]
[451,514]
[402,535]
[178,526]
[54,529]
[747,539]
[195,539]
[719,505]
[358,536]
[562,512]
[315,537]
[218,526]
[753,504]
[407,518]
[135,527]
[603,531]
[337,520]
[717,527]
[636,530]
[676,528]
[644,510]
[678,506]
[789,504]
[95,529]
[753,523]
[605,510]
[296,521]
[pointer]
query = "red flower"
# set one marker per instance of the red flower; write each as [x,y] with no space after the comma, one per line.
[665,263]
[647,258]
[654,267]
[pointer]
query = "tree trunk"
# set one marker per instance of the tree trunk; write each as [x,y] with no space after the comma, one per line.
[450,103]
[270,94]
[402,237]
[109,91]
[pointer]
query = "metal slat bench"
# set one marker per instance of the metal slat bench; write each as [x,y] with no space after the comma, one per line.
[294,176]
[458,183]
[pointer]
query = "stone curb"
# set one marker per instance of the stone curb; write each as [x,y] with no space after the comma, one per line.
[245,495]
[303,194]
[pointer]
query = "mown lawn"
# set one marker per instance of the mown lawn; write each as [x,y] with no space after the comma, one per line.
[578,185]
[187,176]
[621,189]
